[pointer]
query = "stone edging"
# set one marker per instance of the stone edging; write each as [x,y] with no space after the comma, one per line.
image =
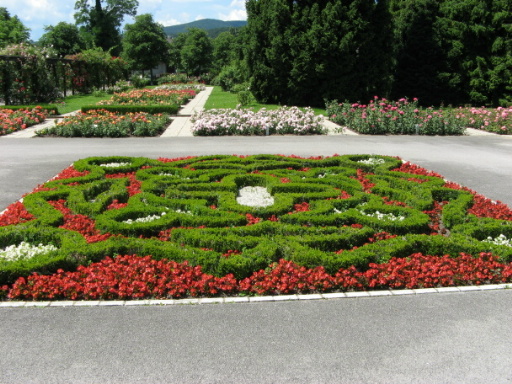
[253,299]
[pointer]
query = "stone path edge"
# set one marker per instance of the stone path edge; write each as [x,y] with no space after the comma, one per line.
[253,299]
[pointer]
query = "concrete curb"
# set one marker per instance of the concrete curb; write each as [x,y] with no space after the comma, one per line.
[253,299]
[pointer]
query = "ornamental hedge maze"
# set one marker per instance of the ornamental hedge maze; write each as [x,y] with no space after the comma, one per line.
[337,212]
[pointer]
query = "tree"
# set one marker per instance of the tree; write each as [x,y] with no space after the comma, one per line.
[175,47]
[418,54]
[477,41]
[12,30]
[196,53]
[145,43]
[302,52]
[268,51]
[101,23]
[224,50]
[64,38]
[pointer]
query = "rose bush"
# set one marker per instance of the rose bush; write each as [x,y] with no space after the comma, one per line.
[403,117]
[285,120]
[102,123]
[16,120]
[150,97]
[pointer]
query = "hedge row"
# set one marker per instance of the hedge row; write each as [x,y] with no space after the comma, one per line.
[170,109]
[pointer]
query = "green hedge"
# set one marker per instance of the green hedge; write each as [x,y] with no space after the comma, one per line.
[124,109]
[203,220]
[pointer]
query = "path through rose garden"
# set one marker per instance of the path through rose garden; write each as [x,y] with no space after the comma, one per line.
[460,337]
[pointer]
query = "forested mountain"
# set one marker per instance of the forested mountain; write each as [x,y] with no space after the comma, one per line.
[205,24]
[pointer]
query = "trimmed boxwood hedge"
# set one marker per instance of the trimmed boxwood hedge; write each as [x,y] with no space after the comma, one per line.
[170,109]
[326,211]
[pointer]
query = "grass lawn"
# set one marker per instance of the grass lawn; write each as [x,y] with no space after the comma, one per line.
[220,99]
[75,102]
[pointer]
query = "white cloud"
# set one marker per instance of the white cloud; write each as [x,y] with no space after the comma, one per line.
[236,12]
[238,4]
[168,22]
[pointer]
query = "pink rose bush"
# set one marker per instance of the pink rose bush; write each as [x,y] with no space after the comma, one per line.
[283,121]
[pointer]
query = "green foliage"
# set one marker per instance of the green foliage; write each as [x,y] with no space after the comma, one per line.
[124,109]
[100,24]
[173,78]
[209,25]
[12,30]
[45,263]
[442,52]
[196,52]
[476,38]
[95,68]
[177,43]
[64,38]
[223,50]
[144,43]
[27,80]
[402,117]
[103,123]
[418,54]
[186,209]
[338,49]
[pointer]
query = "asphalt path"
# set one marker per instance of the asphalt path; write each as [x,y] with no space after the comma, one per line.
[431,338]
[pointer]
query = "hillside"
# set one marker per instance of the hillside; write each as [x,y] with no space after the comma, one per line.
[206,24]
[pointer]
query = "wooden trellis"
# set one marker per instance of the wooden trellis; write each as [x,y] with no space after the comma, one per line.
[61,71]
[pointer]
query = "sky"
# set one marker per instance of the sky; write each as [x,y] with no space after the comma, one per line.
[36,14]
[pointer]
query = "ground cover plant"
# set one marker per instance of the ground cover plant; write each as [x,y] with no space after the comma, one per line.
[285,120]
[102,123]
[16,120]
[403,117]
[131,228]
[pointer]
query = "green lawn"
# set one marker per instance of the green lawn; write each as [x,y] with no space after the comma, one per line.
[220,99]
[75,102]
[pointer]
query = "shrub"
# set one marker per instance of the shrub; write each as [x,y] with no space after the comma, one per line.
[292,120]
[402,117]
[102,123]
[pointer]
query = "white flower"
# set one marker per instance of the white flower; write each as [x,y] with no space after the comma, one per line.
[500,240]
[145,219]
[372,161]
[114,165]
[383,216]
[254,197]
[25,250]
